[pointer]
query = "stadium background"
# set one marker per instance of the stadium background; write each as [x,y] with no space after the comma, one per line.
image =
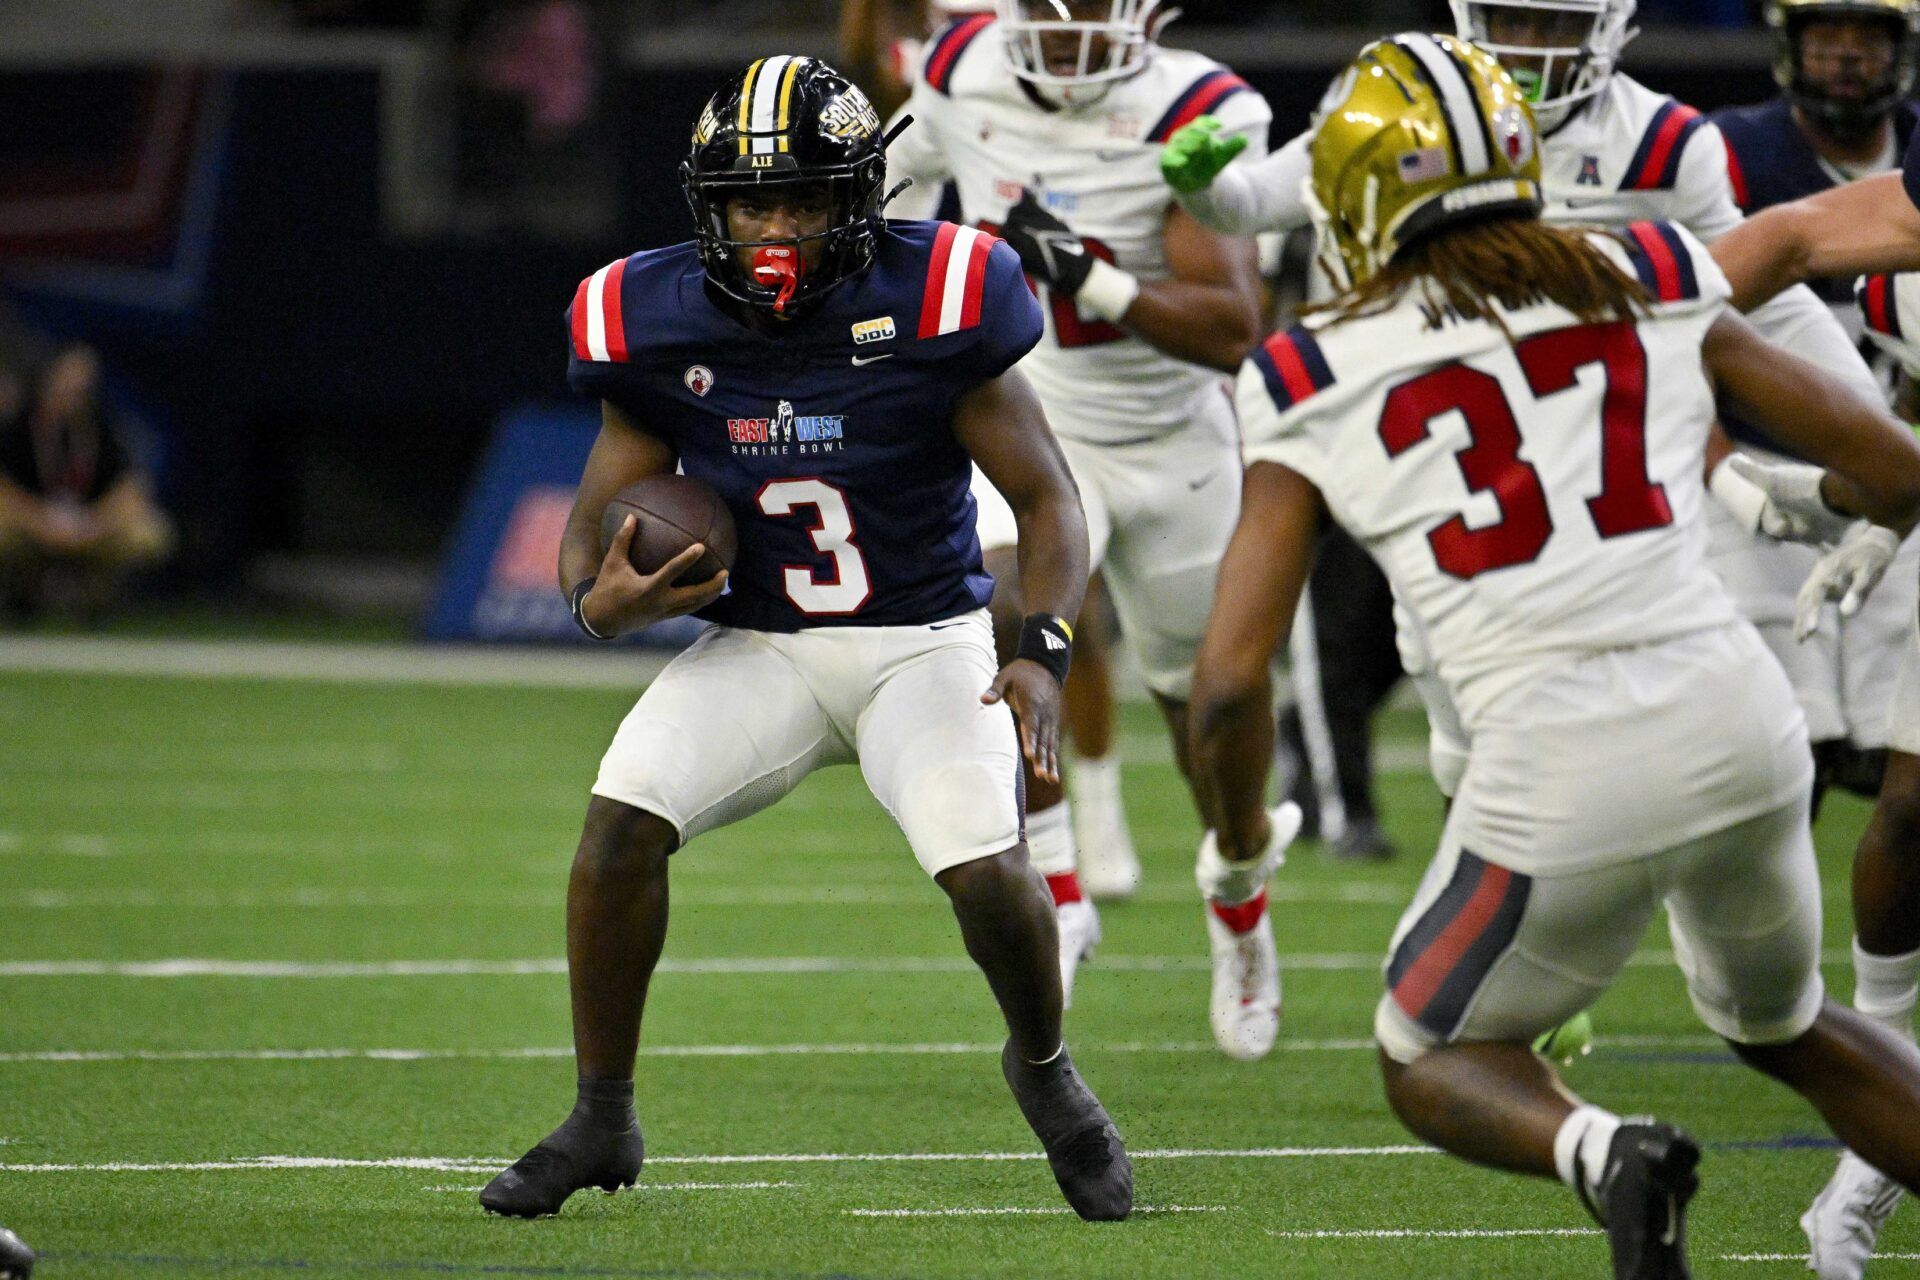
[279,965]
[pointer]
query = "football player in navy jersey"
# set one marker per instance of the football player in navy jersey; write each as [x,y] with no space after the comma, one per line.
[834,378]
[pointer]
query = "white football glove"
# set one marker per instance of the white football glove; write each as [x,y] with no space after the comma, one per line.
[1237,882]
[1848,573]
[1780,499]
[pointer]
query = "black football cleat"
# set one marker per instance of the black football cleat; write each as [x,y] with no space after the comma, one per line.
[572,1158]
[1649,1179]
[1082,1146]
[16,1260]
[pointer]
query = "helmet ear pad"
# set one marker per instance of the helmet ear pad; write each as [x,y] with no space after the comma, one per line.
[786,121]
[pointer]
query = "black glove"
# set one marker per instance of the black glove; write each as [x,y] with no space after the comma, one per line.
[1048,247]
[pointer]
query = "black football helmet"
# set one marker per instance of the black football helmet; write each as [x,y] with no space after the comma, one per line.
[787,120]
[1845,118]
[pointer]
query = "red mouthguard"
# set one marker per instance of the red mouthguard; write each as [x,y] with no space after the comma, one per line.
[778,266]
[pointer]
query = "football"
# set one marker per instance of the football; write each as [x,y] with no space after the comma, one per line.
[674,512]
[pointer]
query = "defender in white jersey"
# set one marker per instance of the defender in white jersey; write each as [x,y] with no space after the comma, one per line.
[1049,119]
[1512,418]
[1613,152]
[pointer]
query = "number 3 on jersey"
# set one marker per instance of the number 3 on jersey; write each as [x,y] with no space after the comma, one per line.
[848,587]
[1628,501]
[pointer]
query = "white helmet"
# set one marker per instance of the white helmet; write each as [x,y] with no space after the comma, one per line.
[1127,30]
[1578,44]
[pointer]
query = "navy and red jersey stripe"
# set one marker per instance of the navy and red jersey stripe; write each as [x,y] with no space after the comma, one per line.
[1439,966]
[1202,96]
[944,54]
[1878,304]
[1661,260]
[1656,163]
[1293,366]
[1737,179]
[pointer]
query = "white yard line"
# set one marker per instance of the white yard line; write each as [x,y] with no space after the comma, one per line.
[191,967]
[852,1049]
[767,896]
[1023,1212]
[671,1186]
[1801,1257]
[1407,1233]
[335,663]
[485,1164]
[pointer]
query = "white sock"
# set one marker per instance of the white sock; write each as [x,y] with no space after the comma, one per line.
[1050,841]
[1580,1150]
[1095,782]
[1885,987]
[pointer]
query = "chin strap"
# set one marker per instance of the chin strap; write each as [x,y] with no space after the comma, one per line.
[778,266]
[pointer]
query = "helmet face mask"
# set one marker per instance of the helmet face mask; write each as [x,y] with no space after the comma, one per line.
[792,130]
[1862,59]
[1419,133]
[1074,51]
[1560,52]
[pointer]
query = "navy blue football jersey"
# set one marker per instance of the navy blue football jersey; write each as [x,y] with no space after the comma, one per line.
[1769,162]
[1910,169]
[832,443]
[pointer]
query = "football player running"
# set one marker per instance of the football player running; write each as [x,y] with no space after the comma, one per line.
[1613,152]
[1844,68]
[1513,417]
[1049,120]
[834,377]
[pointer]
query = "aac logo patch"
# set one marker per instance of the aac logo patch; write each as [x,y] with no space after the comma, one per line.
[869,331]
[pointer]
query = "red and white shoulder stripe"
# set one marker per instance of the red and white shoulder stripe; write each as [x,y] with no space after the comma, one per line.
[956,280]
[599,331]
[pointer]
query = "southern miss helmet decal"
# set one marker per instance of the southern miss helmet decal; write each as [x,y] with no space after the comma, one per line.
[787,120]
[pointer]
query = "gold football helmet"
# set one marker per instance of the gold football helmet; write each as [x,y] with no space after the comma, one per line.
[1857,111]
[1420,132]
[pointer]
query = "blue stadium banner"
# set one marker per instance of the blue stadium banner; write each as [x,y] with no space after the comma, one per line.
[498,580]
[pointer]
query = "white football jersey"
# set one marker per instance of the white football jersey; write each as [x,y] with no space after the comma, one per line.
[1095,167]
[1527,499]
[1629,155]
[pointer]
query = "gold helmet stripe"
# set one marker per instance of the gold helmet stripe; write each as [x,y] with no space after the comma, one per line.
[1456,102]
[746,105]
[786,99]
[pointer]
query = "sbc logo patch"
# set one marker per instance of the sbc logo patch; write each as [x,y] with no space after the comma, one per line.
[870,331]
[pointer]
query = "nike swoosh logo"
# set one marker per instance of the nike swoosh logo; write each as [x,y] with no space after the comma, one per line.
[942,626]
[1195,486]
[861,362]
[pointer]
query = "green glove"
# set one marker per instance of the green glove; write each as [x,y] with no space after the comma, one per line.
[1194,156]
[1568,1042]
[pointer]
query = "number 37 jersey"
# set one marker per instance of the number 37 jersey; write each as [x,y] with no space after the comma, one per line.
[1527,499]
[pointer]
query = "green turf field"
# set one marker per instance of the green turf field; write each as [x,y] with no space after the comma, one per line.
[280,988]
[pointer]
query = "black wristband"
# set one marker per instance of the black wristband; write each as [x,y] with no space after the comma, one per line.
[576,602]
[1048,641]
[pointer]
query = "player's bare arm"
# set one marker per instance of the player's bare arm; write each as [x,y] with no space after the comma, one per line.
[1207,311]
[622,599]
[1002,425]
[1862,227]
[1231,716]
[1873,462]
